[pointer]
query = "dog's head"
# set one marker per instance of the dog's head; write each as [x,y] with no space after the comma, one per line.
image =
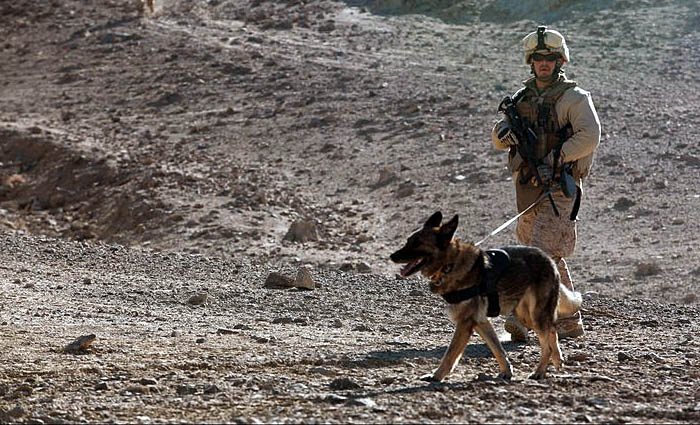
[425,249]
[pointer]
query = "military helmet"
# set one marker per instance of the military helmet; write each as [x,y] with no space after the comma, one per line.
[545,41]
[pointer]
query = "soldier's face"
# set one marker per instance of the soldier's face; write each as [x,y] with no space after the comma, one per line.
[543,66]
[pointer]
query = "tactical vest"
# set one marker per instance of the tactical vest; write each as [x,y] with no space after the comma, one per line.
[539,112]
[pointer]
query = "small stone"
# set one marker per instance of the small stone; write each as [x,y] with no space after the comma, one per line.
[185,389]
[80,345]
[591,295]
[303,279]
[363,267]
[101,386]
[647,269]
[199,299]
[362,328]
[277,280]
[148,381]
[211,389]
[302,231]
[361,402]
[655,358]
[335,399]
[136,389]
[242,327]
[322,371]
[623,204]
[24,389]
[578,357]
[344,384]
[624,357]
[386,176]
[16,412]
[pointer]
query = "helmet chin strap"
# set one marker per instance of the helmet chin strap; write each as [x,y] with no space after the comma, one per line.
[552,77]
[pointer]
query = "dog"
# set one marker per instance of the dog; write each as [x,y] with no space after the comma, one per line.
[527,286]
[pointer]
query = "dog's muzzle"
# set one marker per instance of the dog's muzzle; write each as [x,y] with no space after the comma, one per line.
[411,267]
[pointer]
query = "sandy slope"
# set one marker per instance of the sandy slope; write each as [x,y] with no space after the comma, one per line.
[156,158]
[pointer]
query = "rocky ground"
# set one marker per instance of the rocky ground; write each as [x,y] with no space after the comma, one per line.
[158,169]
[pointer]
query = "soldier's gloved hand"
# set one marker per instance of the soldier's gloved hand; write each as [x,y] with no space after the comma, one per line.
[545,172]
[506,135]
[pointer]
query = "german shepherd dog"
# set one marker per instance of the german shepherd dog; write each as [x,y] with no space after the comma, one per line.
[528,287]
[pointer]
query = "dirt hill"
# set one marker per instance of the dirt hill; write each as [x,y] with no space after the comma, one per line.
[157,168]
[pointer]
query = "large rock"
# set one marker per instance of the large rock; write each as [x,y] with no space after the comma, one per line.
[279,281]
[302,231]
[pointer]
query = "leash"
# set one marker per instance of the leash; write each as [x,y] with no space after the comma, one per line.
[509,222]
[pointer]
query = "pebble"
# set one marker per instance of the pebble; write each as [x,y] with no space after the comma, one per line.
[185,389]
[344,384]
[211,389]
[199,299]
[322,371]
[335,399]
[136,389]
[361,402]
[16,412]
[624,357]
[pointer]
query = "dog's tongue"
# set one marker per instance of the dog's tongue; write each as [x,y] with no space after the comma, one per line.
[406,270]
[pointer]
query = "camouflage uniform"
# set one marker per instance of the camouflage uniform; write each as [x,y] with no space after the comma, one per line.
[559,106]
[556,236]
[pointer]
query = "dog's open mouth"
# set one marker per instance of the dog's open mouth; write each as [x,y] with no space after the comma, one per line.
[412,267]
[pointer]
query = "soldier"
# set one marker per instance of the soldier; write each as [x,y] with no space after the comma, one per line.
[567,131]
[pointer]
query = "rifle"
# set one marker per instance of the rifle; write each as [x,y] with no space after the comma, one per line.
[527,140]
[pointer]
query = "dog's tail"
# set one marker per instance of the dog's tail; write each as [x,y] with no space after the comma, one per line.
[569,301]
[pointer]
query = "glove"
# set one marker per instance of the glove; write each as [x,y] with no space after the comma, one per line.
[505,134]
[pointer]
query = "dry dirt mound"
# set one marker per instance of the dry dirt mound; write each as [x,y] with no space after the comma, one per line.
[59,190]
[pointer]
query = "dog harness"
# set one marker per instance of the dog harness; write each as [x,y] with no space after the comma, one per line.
[499,260]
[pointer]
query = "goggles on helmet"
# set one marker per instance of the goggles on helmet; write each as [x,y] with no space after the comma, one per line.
[538,57]
[545,41]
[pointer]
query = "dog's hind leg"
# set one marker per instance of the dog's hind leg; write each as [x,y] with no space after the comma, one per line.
[557,359]
[459,342]
[488,334]
[546,352]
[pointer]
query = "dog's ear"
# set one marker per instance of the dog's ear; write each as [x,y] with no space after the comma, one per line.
[448,230]
[433,221]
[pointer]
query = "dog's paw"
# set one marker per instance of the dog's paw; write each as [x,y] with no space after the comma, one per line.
[506,376]
[537,376]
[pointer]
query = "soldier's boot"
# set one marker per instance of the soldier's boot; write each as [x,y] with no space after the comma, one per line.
[517,331]
[570,327]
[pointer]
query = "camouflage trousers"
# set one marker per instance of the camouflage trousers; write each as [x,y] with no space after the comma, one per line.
[556,236]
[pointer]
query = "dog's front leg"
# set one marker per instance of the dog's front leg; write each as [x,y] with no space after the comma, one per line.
[488,334]
[459,342]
